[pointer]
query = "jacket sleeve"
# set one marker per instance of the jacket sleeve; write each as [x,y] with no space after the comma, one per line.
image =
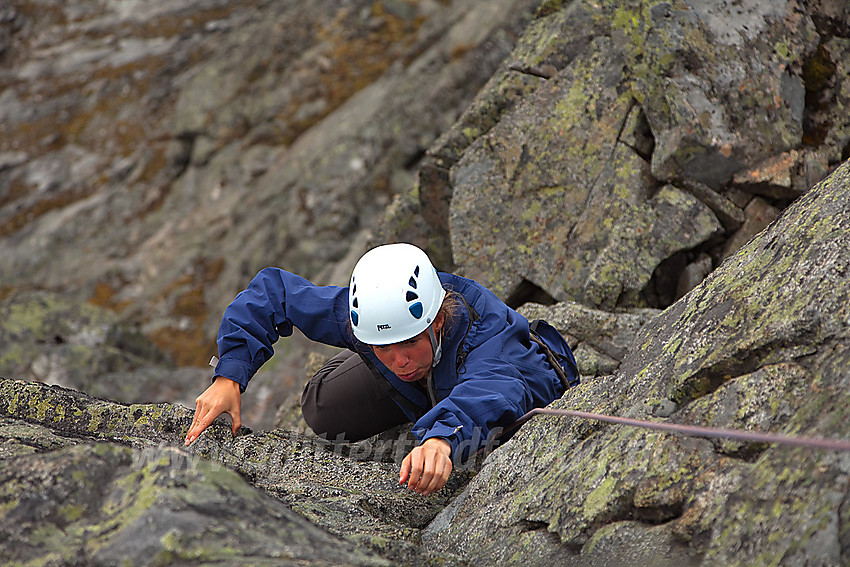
[505,376]
[492,396]
[273,303]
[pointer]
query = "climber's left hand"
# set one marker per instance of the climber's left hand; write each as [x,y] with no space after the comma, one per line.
[427,467]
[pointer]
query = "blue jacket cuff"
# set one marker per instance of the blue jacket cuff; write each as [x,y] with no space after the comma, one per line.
[450,434]
[235,370]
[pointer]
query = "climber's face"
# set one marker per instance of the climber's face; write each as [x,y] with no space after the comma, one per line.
[410,360]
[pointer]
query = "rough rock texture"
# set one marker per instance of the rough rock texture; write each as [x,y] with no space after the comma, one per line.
[599,339]
[350,491]
[763,343]
[47,337]
[253,133]
[597,152]
[622,168]
[620,159]
[100,504]
[155,155]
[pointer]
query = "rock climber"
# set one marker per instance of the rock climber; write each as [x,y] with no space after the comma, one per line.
[432,348]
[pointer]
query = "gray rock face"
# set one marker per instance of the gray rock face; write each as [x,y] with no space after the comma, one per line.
[599,339]
[154,156]
[100,504]
[762,344]
[698,106]
[47,337]
[641,171]
[175,149]
[623,157]
[111,466]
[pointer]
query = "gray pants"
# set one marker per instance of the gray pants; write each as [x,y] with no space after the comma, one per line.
[345,400]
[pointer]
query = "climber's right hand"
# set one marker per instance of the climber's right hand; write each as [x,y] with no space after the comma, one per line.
[223,396]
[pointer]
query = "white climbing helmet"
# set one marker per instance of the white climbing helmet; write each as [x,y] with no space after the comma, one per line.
[394,294]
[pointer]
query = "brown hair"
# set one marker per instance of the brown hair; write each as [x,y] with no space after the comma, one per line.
[450,308]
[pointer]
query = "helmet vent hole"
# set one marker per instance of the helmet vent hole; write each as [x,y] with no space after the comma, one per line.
[416,310]
[416,271]
[411,296]
[412,282]
[354,318]
[354,303]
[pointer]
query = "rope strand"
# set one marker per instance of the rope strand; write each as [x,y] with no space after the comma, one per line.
[695,430]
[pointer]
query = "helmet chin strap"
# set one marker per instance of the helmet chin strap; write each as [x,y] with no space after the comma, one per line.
[436,347]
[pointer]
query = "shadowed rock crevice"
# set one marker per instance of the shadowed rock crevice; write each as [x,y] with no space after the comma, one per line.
[818,78]
[759,345]
[637,135]
[528,292]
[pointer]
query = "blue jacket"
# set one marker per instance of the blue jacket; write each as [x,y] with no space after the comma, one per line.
[490,373]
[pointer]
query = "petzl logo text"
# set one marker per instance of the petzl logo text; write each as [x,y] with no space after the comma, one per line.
[384,327]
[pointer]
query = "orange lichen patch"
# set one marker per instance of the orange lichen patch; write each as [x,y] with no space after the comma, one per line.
[355,59]
[203,272]
[94,120]
[458,51]
[104,296]
[105,125]
[100,129]
[7,292]
[45,13]
[155,163]
[155,198]
[188,346]
[775,170]
[185,347]
[39,133]
[190,304]
[15,190]
[548,8]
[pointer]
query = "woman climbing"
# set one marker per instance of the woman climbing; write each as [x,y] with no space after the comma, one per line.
[432,348]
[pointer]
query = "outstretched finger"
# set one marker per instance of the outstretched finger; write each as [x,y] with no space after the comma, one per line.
[416,466]
[200,422]
[404,473]
[428,473]
[235,419]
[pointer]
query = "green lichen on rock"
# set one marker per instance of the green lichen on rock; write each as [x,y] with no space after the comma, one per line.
[783,287]
[99,497]
[700,50]
[566,172]
[676,66]
[763,343]
[541,43]
[329,484]
[588,216]
[53,338]
[72,412]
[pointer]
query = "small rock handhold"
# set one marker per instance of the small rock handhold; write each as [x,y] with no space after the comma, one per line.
[665,408]
[545,71]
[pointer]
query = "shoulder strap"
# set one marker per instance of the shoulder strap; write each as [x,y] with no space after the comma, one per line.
[569,376]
